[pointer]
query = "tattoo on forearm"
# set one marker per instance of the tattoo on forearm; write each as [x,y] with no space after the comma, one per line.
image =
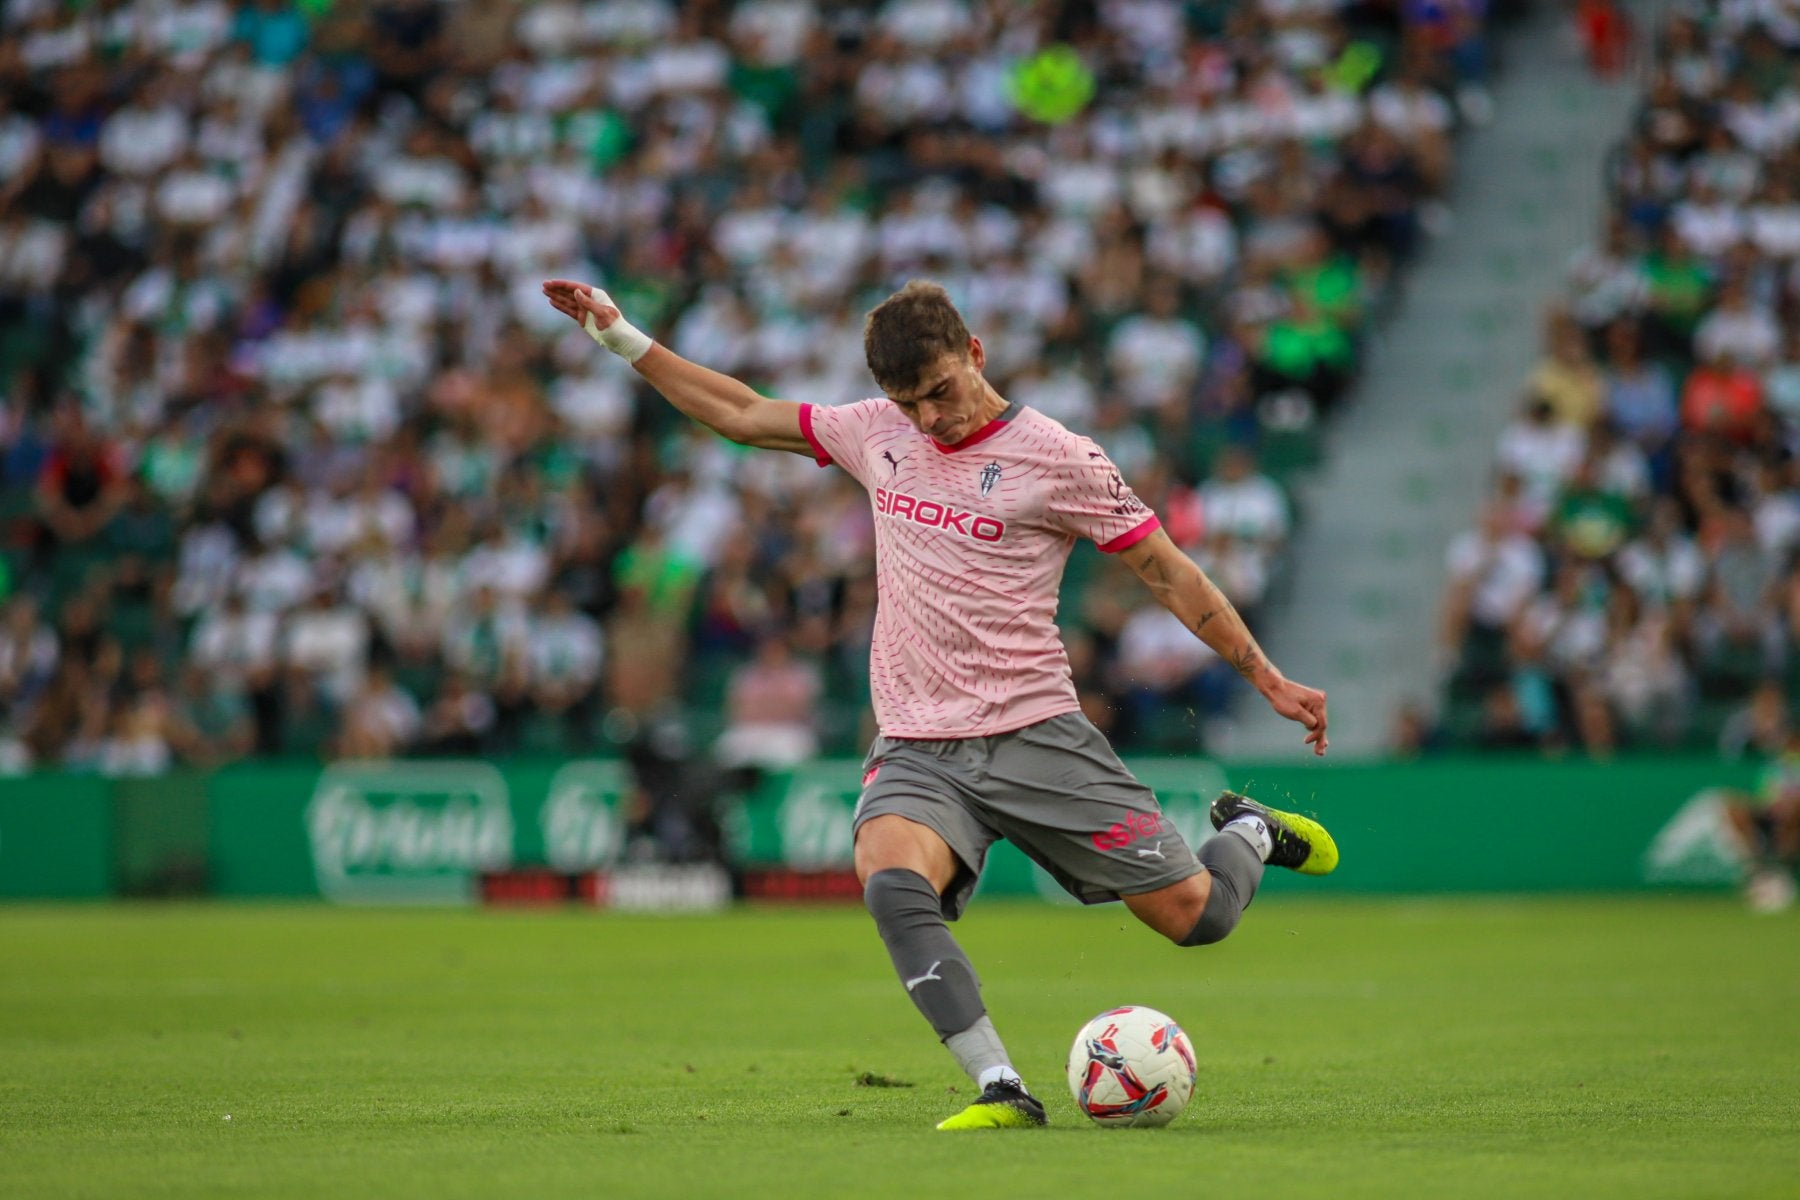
[1247,661]
[1225,607]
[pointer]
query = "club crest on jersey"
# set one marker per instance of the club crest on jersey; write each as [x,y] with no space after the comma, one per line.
[990,475]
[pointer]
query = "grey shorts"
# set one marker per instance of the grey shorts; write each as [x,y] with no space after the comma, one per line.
[1055,790]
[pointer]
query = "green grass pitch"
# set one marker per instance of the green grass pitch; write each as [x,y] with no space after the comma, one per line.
[1536,1047]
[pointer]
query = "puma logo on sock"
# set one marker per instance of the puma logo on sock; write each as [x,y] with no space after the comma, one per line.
[930,973]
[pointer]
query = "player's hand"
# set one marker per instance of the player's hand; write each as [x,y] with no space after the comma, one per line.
[1297,702]
[576,301]
[593,310]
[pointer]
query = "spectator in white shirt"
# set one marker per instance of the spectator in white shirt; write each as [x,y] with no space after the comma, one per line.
[1240,570]
[328,642]
[1242,501]
[1410,109]
[780,28]
[1064,394]
[1775,218]
[1494,573]
[28,653]
[1158,667]
[1156,354]
[192,195]
[1738,329]
[1199,244]
[485,639]
[1707,222]
[381,720]
[238,644]
[1542,452]
[926,24]
[1644,678]
[630,22]
[273,578]
[1605,282]
[565,655]
[149,133]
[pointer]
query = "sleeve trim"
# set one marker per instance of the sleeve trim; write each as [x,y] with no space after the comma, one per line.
[820,454]
[1133,536]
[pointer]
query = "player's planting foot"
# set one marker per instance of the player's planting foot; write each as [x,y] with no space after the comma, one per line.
[1004,1104]
[1298,843]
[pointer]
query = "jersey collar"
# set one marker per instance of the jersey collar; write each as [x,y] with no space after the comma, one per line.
[998,425]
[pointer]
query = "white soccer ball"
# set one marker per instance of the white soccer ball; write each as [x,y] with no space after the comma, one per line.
[1131,1066]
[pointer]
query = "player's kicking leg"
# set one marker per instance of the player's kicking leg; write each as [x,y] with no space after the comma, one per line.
[1204,908]
[906,868]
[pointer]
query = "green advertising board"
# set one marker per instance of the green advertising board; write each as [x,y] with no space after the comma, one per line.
[421,832]
[56,836]
[409,832]
[1515,824]
[1454,825]
[416,832]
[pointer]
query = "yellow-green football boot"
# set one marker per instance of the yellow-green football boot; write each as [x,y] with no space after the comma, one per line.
[1003,1104]
[1300,843]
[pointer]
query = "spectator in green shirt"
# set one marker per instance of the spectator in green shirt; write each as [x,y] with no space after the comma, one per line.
[1680,287]
[1305,349]
[1329,283]
[1591,521]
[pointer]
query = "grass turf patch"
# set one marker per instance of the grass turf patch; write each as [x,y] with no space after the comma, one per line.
[1374,1048]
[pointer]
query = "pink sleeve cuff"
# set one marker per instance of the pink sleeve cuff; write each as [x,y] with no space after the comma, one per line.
[820,454]
[1130,537]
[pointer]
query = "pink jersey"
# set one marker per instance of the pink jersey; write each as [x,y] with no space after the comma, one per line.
[970,543]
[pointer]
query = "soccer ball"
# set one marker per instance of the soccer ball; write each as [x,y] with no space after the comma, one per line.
[1131,1066]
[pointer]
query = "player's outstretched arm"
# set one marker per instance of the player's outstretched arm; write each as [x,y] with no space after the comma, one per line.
[725,405]
[1182,587]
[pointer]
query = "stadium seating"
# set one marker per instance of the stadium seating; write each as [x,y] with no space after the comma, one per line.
[276,265]
[1660,492]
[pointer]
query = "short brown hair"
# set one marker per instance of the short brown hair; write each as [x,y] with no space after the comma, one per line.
[909,331]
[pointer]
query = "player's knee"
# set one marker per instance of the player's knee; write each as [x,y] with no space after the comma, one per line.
[1234,869]
[1217,919]
[889,842]
[896,890]
[1211,928]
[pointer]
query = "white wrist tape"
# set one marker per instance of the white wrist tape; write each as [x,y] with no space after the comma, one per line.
[621,337]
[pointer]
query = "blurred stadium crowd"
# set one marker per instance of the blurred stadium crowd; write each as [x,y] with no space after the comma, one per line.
[1633,579]
[294,458]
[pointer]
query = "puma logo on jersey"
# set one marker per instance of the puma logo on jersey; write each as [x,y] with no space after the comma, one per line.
[938,516]
[1153,852]
[892,462]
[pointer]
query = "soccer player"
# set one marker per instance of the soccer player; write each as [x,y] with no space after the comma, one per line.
[977,504]
[1767,826]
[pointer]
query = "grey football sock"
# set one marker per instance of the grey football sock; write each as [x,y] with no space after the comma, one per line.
[1236,870]
[937,974]
[978,1052]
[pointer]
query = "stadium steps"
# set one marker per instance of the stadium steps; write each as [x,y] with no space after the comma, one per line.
[1407,463]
